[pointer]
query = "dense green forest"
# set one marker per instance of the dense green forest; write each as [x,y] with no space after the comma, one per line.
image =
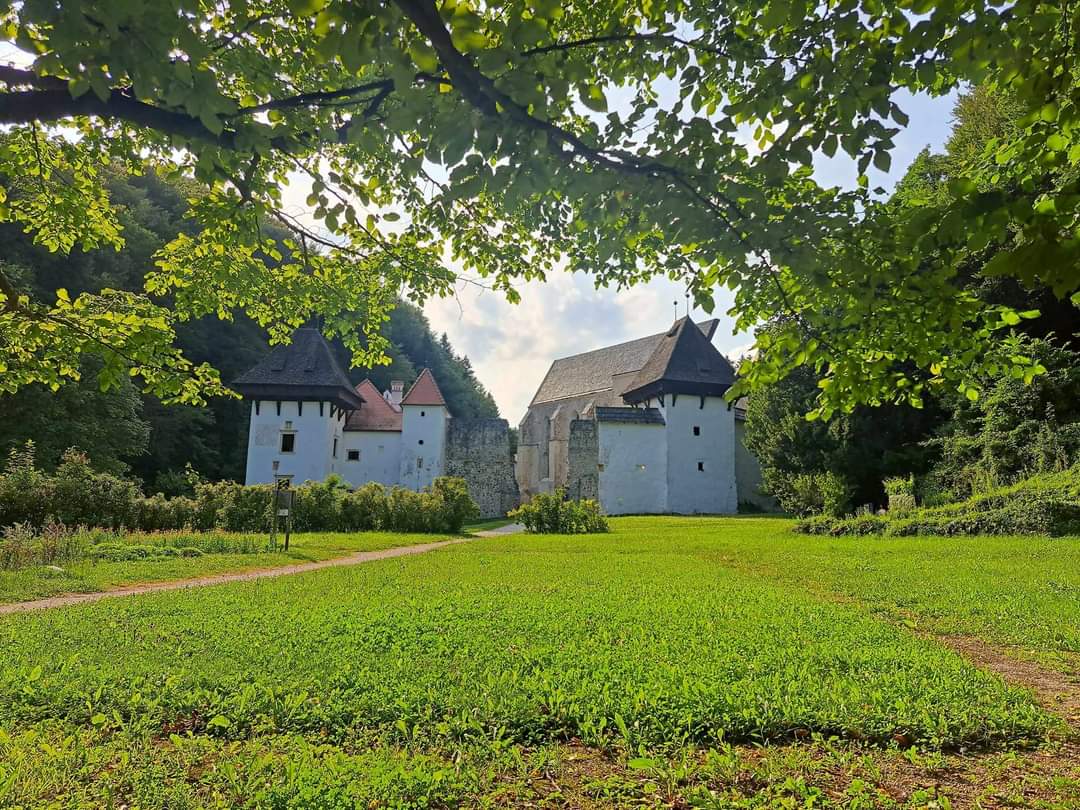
[125,431]
[954,446]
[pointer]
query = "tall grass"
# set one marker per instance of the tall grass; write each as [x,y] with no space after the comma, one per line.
[22,546]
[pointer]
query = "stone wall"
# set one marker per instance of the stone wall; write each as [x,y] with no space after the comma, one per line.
[583,454]
[748,474]
[478,450]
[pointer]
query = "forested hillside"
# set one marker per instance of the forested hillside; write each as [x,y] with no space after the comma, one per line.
[126,431]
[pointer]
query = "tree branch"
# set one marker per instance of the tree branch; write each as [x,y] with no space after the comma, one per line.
[314,99]
[669,39]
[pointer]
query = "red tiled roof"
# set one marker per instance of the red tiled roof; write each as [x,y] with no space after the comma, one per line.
[375,414]
[425,391]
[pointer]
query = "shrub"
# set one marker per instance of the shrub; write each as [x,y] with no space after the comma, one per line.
[552,513]
[245,509]
[25,491]
[365,509]
[77,495]
[820,493]
[1043,504]
[83,496]
[901,494]
[454,507]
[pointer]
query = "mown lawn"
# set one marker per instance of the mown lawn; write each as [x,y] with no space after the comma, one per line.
[620,669]
[88,576]
[1021,592]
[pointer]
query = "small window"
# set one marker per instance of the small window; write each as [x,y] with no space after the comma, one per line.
[352,455]
[422,413]
[600,467]
[697,430]
[335,449]
[701,466]
[288,442]
[419,463]
[421,441]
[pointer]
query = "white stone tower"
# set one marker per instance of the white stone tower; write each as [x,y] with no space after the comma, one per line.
[423,433]
[299,397]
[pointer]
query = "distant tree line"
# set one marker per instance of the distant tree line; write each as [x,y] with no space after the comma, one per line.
[126,432]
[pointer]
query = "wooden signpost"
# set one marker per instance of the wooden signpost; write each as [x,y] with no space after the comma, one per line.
[282,508]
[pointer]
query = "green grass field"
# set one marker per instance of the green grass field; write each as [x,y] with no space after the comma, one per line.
[88,576]
[703,662]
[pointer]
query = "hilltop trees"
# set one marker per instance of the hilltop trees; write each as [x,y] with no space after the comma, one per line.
[123,432]
[512,136]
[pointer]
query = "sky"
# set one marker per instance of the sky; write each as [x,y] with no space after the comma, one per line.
[511,346]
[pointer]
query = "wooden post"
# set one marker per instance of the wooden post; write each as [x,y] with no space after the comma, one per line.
[282,508]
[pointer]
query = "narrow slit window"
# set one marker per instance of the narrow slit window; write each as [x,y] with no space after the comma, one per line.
[697,430]
[335,449]
[701,466]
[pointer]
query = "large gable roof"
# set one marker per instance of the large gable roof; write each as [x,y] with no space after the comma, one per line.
[684,362]
[305,368]
[375,414]
[593,371]
[425,391]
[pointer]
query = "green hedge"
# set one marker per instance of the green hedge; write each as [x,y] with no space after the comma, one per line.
[77,495]
[1043,504]
[552,513]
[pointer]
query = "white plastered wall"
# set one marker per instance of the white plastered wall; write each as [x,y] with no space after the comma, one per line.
[633,474]
[311,458]
[712,489]
[423,445]
[380,457]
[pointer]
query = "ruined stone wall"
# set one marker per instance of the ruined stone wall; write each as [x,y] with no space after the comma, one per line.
[478,450]
[583,454]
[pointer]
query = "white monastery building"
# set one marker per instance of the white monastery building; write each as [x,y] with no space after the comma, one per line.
[308,421]
[642,426]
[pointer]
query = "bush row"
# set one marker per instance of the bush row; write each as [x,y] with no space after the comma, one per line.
[552,513]
[77,495]
[1044,504]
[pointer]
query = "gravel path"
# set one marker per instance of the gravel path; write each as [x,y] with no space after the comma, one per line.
[240,576]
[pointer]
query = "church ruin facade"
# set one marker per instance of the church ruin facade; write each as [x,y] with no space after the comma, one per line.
[641,426]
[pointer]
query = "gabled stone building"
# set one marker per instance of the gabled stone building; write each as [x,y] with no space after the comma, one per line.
[642,426]
[309,421]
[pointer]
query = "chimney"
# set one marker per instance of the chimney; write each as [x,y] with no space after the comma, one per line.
[397,391]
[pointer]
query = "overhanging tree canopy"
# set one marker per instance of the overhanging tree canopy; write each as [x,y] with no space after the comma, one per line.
[629,139]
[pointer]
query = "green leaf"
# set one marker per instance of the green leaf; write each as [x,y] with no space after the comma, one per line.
[423,56]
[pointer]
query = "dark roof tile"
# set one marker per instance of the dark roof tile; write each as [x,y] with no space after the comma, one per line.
[593,371]
[637,416]
[684,361]
[304,367]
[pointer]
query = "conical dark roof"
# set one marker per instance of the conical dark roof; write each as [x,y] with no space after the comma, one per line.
[683,362]
[303,369]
